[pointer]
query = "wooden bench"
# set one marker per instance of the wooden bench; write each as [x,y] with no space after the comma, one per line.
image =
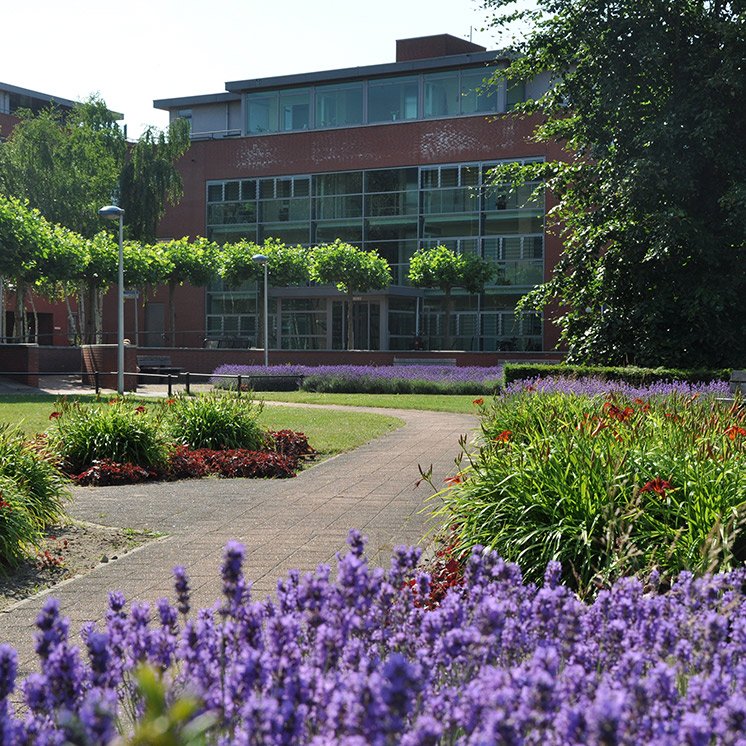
[447,362]
[160,364]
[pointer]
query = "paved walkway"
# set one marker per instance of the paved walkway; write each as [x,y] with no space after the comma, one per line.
[285,524]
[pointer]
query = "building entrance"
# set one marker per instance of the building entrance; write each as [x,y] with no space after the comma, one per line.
[366,321]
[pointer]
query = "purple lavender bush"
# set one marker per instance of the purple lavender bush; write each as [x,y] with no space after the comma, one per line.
[590,386]
[383,379]
[358,660]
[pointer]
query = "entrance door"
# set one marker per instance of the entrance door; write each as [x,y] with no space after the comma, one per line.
[366,321]
[154,325]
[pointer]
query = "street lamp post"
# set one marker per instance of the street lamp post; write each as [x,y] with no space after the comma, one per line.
[112,212]
[263,261]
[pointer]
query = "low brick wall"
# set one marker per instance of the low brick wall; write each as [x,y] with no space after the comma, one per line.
[103,358]
[22,360]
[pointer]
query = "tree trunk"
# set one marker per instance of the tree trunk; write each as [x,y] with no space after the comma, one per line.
[447,322]
[2,310]
[350,325]
[171,313]
[72,329]
[98,316]
[36,317]
[19,320]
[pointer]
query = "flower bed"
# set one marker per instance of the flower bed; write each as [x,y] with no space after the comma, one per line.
[404,379]
[356,660]
[610,486]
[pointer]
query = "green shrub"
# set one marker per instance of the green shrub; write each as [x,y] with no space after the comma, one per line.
[32,493]
[121,431]
[607,487]
[216,420]
[630,374]
[328,384]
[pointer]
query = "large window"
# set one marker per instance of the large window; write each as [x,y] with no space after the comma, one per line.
[449,93]
[392,99]
[339,105]
[394,211]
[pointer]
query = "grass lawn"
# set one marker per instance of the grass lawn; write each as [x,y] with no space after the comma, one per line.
[328,431]
[432,402]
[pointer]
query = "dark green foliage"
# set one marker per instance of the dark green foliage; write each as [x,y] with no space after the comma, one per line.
[630,374]
[150,178]
[216,420]
[648,104]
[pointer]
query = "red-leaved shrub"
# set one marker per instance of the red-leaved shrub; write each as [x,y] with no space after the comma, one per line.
[107,472]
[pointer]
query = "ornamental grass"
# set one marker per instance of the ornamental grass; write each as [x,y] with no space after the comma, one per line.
[351,657]
[32,494]
[607,485]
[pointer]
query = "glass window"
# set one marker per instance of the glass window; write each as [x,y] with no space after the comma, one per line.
[392,100]
[350,182]
[214,192]
[441,95]
[232,191]
[391,180]
[295,109]
[262,112]
[339,105]
[248,189]
[476,96]
[515,93]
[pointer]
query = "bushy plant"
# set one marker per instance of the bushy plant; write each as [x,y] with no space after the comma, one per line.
[631,374]
[105,473]
[370,379]
[32,492]
[607,486]
[350,657]
[290,443]
[216,420]
[120,431]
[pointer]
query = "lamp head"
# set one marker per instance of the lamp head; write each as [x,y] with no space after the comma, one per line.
[111,212]
[259,259]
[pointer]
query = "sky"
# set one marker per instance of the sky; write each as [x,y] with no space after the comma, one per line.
[131,53]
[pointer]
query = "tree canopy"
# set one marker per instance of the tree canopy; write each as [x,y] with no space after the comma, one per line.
[352,270]
[67,165]
[647,101]
[442,268]
[150,178]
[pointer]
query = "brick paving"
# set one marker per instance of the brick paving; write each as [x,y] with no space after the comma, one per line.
[284,524]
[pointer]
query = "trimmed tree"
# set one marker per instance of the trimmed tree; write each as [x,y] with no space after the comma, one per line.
[351,270]
[186,261]
[443,269]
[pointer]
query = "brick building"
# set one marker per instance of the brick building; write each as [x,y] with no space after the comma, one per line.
[390,157]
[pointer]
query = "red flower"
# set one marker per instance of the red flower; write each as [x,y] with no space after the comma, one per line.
[54,415]
[458,479]
[503,437]
[140,409]
[170,401]
[478,402]
[618,414]
[657,485]
[4,504]
[734,430]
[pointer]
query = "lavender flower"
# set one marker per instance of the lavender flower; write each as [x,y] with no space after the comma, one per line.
[350,658]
